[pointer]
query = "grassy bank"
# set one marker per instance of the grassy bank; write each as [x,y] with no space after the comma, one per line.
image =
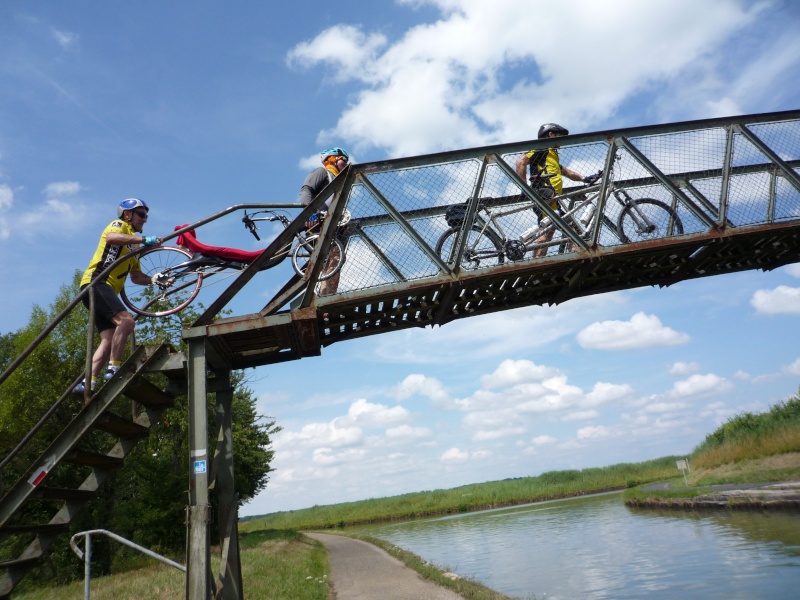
[280,565]
[748,448]
[508,492]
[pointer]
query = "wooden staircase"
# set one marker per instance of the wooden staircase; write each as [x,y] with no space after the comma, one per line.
[148,402]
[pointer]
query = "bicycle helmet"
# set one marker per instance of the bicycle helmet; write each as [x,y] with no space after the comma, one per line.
[555,128]
[130,204]
[335,151]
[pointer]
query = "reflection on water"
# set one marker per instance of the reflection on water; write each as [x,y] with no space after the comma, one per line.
[597,548]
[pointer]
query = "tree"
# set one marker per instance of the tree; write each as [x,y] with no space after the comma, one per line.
[145,501]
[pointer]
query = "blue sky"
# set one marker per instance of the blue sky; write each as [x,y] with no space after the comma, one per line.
[196,107]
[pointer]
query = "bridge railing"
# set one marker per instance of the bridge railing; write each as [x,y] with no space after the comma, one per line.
[715,174]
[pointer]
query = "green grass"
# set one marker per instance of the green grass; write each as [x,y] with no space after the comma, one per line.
[280,565]
[494,494]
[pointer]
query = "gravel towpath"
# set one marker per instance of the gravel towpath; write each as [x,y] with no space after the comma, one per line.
[361,571]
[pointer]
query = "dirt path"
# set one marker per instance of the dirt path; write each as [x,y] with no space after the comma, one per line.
[362,571]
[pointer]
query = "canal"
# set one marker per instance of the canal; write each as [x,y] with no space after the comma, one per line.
[596,547]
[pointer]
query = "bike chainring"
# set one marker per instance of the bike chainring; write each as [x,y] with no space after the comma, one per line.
[515,250]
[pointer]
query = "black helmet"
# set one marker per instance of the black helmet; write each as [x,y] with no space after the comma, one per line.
[555,128]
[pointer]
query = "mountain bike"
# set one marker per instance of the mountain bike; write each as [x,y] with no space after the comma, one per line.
[178,272]
[488,244]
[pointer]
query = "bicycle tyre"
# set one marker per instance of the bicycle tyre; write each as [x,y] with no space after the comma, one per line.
[491,249]
[302,254]
[277,259]
[157,301]
[660,215]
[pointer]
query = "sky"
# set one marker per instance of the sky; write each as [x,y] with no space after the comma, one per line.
[197,107]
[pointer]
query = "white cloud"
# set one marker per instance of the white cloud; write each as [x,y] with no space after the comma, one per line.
[442,84]
[405,433]
[328,457]
[494,336]
[484,435]
[319,435]
[366,414]
[60,189]
[511,372]
[662,407]
[543,440]
[6,202]
[416,383]
[781,300]
[593,432]
[681,369]
[65,39]
[700,385]
[642,331]
[794,368]
[454,456]
[581,415]
[794,270]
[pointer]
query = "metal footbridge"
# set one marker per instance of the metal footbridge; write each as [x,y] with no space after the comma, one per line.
[733,183]
[732,190]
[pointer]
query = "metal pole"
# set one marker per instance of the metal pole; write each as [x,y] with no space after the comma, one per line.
[87,566]
[198,556]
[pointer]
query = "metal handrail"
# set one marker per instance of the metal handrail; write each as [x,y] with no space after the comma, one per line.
[87,555]
[86,290]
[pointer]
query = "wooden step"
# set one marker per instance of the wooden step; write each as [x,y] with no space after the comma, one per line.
[19,562]
[48,528]
[52,493]
[94,460]
[147,394]
[120,427]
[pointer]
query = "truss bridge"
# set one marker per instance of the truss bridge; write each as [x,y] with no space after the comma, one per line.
[732,184]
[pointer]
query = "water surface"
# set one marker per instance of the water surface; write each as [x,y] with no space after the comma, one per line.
[596,547]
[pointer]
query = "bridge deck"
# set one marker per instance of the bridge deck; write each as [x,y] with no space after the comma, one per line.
[253,340]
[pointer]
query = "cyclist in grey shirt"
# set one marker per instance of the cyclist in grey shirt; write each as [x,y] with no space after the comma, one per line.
[334,160]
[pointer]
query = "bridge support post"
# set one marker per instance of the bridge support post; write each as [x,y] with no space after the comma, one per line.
[230,576]
[198,563]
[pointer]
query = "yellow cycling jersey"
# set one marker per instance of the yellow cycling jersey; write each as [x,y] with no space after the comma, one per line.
[551,167]
[106,254]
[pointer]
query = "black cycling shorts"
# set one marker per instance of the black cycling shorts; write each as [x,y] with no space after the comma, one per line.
[106,305]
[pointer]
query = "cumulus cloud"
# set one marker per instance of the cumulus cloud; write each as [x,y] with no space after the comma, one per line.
[794,368]
[642,331]
[454,456]
[367,414]
[681,369]
[512,372]
[782,300]
[416,383]
[60,189]
[467,78]
[700,385]
[593,432]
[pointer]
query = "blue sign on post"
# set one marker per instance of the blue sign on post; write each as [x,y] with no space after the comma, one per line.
[199,466]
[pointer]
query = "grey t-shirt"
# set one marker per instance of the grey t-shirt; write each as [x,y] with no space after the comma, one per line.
[314,183]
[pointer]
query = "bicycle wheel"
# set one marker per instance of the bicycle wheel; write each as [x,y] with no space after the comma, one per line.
[647,219]
[483,248]
[302,253]
[180,286]
[278,258]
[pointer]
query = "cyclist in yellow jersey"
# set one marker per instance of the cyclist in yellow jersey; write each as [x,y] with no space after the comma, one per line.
[112,321]
[546,162]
